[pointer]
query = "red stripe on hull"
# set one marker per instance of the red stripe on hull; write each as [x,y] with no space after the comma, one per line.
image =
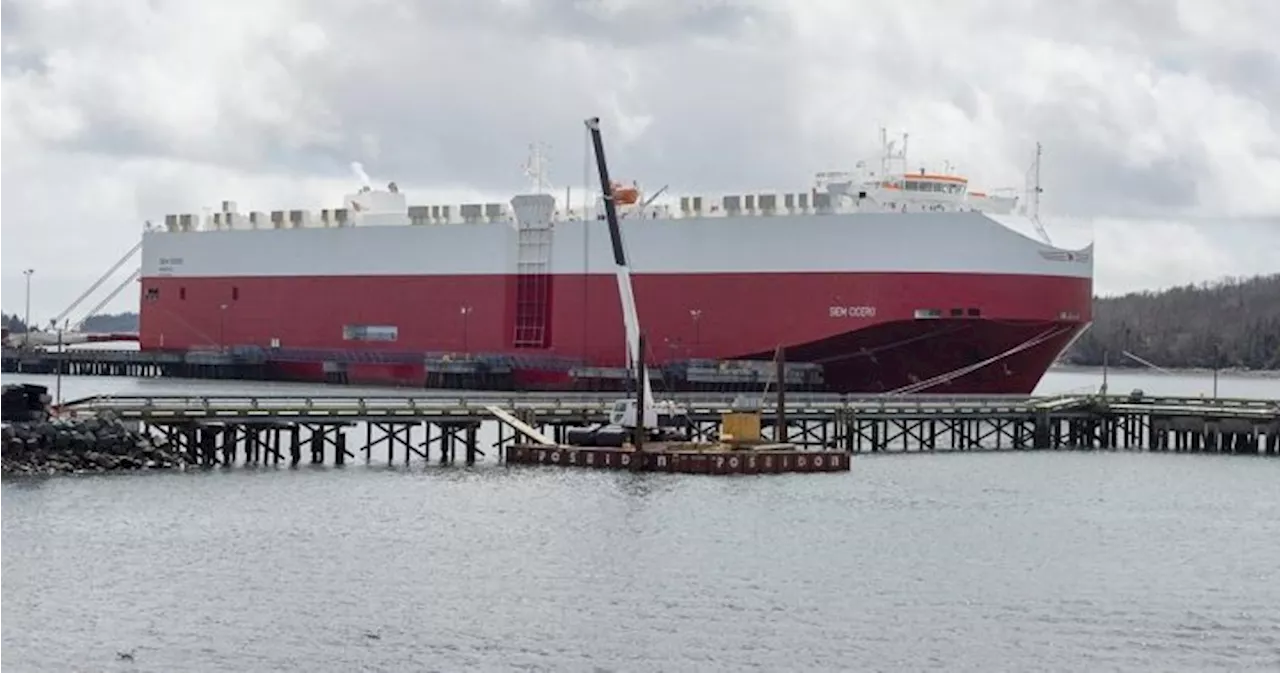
[822,317]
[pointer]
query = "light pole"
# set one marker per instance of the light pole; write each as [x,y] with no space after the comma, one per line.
[26,318]
[466,316]
[61,349]
[1217,362]
[696,314]
[222,328]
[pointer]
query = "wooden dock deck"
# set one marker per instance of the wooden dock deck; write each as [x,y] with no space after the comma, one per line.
[223,429]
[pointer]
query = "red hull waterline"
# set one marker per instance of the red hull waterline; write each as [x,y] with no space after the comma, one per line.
[888,295]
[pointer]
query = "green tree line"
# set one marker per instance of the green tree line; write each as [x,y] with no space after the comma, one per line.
[1231,323]
[103,322]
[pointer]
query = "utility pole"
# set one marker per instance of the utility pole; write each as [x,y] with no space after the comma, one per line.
[466,319]
[696,315]
[59,363]
[26,318]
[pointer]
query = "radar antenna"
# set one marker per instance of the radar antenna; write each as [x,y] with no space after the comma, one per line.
[1033,195]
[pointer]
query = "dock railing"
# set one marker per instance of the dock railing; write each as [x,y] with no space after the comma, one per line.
[427,404]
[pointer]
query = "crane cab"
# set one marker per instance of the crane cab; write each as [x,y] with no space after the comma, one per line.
[658,414]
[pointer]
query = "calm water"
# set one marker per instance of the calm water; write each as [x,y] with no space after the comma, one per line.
[977,562]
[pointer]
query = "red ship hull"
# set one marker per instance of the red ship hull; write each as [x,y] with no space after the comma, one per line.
[990,333]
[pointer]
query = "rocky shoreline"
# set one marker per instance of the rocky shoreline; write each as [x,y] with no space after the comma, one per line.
[75,446]
[32,442]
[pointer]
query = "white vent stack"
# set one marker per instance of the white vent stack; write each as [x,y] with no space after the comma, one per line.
[419,215]
[471,212]
[767,204]
[822,203]
[228,217]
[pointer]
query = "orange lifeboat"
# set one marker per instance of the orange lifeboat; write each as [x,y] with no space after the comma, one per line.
[625,196]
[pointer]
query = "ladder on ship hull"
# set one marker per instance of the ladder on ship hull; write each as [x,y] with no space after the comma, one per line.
[533,270]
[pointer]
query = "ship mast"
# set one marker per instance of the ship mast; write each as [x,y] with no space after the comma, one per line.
[1034,189]
[535,168]
[630,317]
[888,154]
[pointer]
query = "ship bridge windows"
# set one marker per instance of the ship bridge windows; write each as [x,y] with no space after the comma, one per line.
[153,293]
[934,186]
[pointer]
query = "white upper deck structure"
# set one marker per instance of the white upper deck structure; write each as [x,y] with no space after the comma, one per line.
[886,187]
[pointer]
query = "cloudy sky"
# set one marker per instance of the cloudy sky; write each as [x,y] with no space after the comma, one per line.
[1160,119]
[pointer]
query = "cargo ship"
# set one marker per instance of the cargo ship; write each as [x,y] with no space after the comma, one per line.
[877,280]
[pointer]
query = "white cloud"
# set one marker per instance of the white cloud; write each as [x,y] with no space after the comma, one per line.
[1159,120]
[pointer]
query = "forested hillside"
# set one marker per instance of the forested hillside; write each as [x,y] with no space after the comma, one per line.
[1234,323]
[103,322]
[112,322]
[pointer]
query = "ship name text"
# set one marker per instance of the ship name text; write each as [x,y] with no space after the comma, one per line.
[852,312]
[166,265]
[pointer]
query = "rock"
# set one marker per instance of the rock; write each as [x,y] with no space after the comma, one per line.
[24,402]
[64,446]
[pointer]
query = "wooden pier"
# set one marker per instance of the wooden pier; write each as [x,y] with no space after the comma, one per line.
[274,429]
[135,364]
[455,371]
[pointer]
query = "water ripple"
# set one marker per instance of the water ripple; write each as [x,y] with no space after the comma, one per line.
[990,562]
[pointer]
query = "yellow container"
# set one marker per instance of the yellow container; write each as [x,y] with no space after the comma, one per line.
[740,427]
